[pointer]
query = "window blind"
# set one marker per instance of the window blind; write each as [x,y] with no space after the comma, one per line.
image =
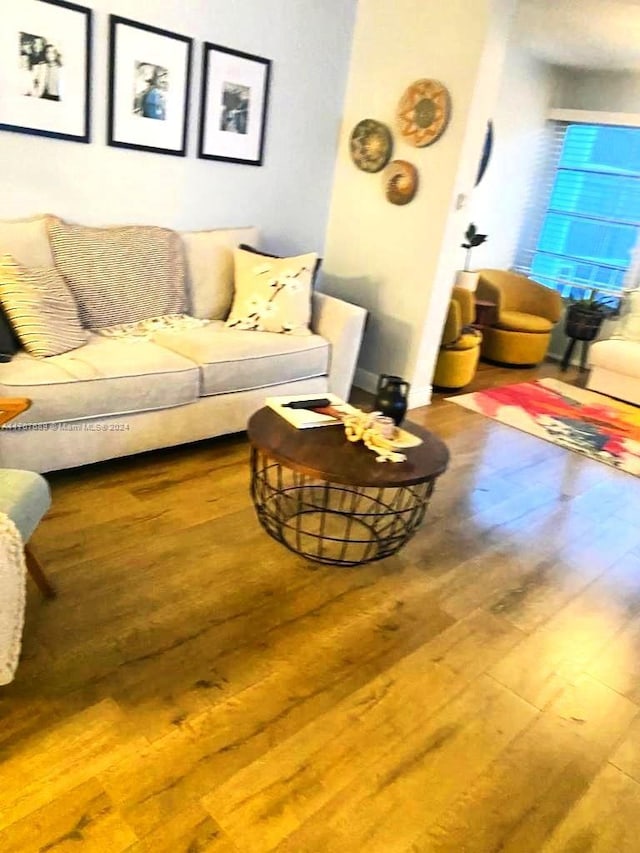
[583,220]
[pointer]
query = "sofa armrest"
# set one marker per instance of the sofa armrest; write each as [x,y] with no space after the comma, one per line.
[342,324]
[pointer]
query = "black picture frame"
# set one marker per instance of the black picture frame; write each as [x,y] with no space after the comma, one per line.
[58,105]
[154,119]
[234,105]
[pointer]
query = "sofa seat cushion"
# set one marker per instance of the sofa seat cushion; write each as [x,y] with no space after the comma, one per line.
[104,377]
[231,360]
[519,321]
[616,355]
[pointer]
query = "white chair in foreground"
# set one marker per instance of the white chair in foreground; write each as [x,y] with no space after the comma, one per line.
[24,499]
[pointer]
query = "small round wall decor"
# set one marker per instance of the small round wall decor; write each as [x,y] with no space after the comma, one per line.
[423,112]
[401,181]
[371,145]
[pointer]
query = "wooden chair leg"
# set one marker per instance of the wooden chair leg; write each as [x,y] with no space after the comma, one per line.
[35,570]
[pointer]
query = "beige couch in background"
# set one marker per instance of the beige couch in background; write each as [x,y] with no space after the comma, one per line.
[615,363]
[112,397]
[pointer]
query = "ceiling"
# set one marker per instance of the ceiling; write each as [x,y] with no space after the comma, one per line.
[582,33]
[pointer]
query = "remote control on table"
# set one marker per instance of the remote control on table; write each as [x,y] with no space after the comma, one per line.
[320,403]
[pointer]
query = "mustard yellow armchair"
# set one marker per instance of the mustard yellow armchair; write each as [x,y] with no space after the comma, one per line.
[526,313]
[460,346]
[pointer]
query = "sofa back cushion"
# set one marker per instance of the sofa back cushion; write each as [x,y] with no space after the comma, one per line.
[209,265]
[122,274]
[629,325]
[41,308]
[27,240]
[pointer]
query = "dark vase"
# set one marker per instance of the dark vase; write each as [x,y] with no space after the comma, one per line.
[391,397]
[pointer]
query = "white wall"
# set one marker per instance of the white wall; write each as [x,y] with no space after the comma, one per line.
[609,91]
[499,201]
[309,43]
[399,262]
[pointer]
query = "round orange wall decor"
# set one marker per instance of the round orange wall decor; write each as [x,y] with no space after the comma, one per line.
[401,181]
[423,112]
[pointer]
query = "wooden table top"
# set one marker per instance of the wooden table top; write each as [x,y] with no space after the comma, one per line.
[11,407]
[324,452]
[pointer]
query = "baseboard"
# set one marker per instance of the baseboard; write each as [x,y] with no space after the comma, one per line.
[366,380]
[369,382]
[420,397]
[557,358]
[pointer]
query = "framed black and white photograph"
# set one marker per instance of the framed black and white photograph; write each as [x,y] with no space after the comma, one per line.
[45,68]
[149,79]
[233,106]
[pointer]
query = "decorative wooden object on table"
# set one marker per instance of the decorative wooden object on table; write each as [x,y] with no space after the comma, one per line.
[329,500]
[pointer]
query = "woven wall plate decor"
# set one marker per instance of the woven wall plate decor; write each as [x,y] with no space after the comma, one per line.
[423,112]
[401,181]
[371,144]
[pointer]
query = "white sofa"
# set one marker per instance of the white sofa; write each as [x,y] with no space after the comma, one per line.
[112,397]
[615,363]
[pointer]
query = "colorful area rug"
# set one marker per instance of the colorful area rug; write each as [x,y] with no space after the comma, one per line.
[589,423]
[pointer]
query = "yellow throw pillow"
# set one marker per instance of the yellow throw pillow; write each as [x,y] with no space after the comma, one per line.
[40,307]
[272,294]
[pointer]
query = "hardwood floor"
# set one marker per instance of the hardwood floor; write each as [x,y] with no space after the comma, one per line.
[196,687]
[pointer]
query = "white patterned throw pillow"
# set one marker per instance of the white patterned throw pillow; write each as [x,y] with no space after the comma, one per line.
[272,294]
[40,307]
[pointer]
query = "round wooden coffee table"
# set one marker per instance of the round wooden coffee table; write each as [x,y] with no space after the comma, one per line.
[328,499]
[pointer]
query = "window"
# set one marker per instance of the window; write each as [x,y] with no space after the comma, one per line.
[583,234]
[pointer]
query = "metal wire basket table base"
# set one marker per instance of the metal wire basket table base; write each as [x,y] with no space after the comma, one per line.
[342,525]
